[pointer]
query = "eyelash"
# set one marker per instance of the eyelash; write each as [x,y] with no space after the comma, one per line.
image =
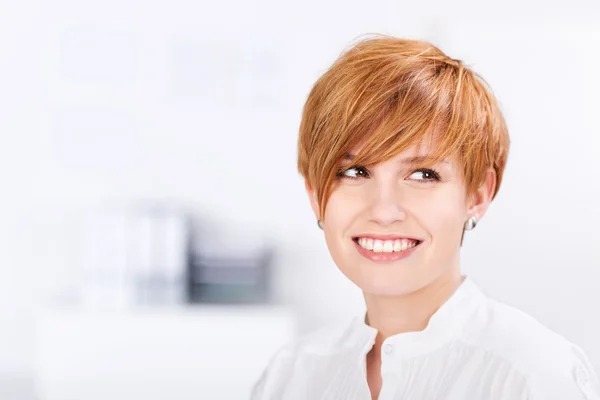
[435,175]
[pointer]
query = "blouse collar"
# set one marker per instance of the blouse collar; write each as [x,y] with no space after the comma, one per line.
[444,325]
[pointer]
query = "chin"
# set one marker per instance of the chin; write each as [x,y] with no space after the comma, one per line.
[386,280]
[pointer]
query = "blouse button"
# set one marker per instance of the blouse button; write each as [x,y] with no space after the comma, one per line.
[388,348]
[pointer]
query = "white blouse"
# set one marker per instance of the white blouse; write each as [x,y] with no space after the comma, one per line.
[474,347]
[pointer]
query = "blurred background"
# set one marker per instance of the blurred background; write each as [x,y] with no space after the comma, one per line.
[155,238]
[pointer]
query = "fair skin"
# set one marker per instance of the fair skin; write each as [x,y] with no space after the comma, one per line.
[392,201]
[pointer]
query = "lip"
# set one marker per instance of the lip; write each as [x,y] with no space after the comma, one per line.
[385,258]
[389,236]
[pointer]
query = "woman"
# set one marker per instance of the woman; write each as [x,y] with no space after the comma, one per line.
[403,149]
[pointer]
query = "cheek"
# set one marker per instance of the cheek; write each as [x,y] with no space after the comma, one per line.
[442,215]
[341,213]
[342,209]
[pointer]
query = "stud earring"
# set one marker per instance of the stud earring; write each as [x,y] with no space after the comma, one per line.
[471,223]
[320,224]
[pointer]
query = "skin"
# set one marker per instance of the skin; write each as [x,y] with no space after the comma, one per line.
[393,198]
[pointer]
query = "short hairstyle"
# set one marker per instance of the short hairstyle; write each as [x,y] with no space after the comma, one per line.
[385,94]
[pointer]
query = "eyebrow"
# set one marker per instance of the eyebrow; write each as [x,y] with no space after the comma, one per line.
[406,160]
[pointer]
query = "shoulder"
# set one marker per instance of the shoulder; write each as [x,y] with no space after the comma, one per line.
[325,341]
[552,366]
[516,336]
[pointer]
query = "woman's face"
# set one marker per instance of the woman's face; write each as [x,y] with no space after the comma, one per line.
[393,229]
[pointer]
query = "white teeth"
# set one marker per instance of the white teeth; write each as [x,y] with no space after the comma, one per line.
[377,246]
[386,246]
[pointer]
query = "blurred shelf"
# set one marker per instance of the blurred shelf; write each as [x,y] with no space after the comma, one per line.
[183,352]
[184,310]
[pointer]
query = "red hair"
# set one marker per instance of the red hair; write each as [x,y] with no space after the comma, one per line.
[386,94]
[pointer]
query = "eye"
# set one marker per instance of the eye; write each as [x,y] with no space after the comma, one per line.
[354,173]
[425,175]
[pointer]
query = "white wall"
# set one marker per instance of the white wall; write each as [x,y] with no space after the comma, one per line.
[103,103]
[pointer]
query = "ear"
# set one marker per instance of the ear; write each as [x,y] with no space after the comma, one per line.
[481,199]
[314,202]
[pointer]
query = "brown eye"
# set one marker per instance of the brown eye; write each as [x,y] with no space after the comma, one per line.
[425,175]
[355,172]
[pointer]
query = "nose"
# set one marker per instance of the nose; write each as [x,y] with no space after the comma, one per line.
[387,203]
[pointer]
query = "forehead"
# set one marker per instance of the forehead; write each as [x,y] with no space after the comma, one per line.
[418,153]
[403,149]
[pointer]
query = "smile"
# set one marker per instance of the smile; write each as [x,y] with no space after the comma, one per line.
[386,246]
[385,250]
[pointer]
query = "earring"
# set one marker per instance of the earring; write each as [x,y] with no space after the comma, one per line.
[320,224]
[471,223]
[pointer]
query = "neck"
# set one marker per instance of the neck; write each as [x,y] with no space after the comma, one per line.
[411,312]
